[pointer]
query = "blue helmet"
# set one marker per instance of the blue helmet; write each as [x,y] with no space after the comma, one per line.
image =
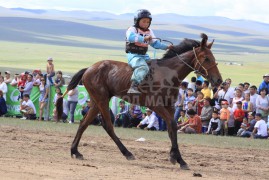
[141,13]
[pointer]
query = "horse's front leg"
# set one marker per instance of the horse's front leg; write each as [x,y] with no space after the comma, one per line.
[107,125]
[175,155]
[167,114]
[92,113]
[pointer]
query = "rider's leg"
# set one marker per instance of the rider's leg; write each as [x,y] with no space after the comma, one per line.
[141,69]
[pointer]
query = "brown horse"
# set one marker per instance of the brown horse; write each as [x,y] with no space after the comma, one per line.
[159,90]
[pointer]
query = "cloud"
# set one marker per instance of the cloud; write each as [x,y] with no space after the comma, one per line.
[234,9]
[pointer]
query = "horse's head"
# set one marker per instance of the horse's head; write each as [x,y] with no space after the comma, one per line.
[205,63]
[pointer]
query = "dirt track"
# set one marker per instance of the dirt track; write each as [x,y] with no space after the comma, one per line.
[29,154]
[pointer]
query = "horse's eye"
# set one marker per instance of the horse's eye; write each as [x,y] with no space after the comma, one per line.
[207,59]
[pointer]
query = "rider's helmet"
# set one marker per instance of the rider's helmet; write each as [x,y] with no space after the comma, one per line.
[141,13]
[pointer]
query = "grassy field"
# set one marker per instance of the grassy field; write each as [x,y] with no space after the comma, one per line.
[19,57]
[126,133]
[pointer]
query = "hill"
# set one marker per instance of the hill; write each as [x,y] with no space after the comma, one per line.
[31,35]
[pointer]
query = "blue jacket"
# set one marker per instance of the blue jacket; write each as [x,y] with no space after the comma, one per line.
[3,106]
[132,35]
[264,85]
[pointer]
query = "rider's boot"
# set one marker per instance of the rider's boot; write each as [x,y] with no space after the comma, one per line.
[134,88]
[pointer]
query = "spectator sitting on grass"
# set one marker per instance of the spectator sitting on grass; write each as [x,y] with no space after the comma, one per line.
[260,129]
[252,122]
[27,108]
[122,116]
[243,127]
[193,125]
[85,110]
[214,124]
[182,119]
[134,116]
[206,114]
[150,122]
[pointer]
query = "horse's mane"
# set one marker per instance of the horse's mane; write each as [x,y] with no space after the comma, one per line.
[184,46]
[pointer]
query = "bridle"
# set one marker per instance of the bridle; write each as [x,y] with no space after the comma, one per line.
[200,65]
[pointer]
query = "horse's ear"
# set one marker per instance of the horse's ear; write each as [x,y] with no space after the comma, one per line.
[204,40]
[209,45]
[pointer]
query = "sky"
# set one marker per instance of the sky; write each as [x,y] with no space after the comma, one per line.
[256,10]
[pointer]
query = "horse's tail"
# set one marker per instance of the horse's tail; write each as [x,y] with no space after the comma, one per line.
[59,108]
[76,79]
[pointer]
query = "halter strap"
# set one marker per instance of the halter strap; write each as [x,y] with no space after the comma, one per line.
[197,62]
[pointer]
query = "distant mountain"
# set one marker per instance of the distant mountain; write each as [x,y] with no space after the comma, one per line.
[51,26]
[35,11]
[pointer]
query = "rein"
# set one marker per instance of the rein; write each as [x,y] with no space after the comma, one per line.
[197,62]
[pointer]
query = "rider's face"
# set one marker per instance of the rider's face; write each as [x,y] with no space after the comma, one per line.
[144,23]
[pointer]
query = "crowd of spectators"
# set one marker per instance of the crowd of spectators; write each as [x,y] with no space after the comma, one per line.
[25,82]
[241,111]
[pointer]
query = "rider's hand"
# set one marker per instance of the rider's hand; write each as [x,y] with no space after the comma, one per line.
[170,47]
[148,38]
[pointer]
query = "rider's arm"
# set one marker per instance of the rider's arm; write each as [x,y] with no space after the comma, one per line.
[132,36]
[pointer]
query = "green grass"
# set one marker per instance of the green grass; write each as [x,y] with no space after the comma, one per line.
[133,134]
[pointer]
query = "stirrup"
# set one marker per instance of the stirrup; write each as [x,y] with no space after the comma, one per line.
[133,91]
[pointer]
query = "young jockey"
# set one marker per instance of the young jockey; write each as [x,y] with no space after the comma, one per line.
[138,37]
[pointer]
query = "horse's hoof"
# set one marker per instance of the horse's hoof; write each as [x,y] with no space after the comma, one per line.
[77,156]
[80,157]
[131,157]
[173,161]
[184,167]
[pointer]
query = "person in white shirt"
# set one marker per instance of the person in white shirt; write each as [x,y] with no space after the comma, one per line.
[8,78]
[15,81]
[150,122]
[260,128]
[224,92]
[253,96]
[27,107]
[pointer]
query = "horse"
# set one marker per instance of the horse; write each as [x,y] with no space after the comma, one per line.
[159,89]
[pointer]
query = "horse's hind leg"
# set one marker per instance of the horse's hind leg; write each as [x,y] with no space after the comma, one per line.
[92,113]
[107,124]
